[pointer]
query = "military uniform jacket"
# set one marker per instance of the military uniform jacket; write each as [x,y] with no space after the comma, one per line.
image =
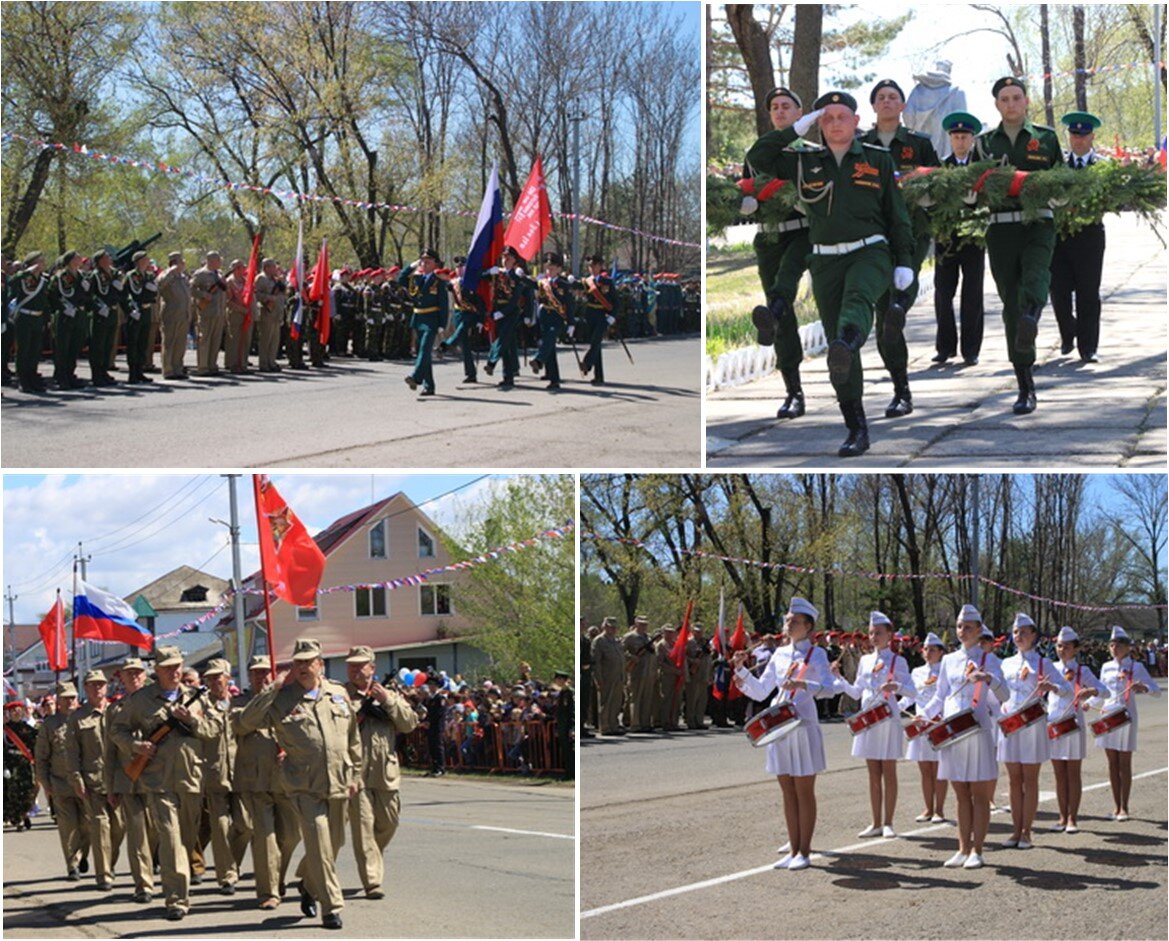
[1036,148]
[269,294]
[257,767]
[698,660]
[209,291]
[560,289]
[639,649]
[606,289]
[114,760]
[52,765]
[177,766]
[379,725]
[68,293]
[909,149]
[28,293]
[856,199]
[107,291]
[319,736]
[174,288]
[668,671]
[235,294]
[428,294]
[219,751]
[141,290]
[371,302]
[85,734]
[608,658]
[508,293]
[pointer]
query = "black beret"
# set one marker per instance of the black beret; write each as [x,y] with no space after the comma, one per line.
[595,260]
[885,83]
[554,258]
[1007,82]
[515,253]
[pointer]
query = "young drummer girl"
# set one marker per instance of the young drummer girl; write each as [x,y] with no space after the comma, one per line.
[881,676]
[925,680]
[796,671]
[1065,721]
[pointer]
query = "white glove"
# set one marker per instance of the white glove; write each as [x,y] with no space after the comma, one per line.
[497,315]
[572,279]
[529,322]
[902,278]
[970,198]
[135,313]
[1056,201]
[519,272]
[480,327]
[151,286]
[494,269]
[571,332]
[748,205]
[103,310]
[926,201]
[802,125]
[610,320]
[70,310]
[117,284]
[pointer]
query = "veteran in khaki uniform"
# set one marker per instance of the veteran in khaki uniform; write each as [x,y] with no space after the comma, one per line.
[218,761]
[173,776]
[374,810]
[698,679]
[52,770]
[239,338]
[128,796]
[209,292]
[668,690]
[85,734]
[268,817]
[174,315]
[270,297]
[608,658]
[642,672]
[317,727]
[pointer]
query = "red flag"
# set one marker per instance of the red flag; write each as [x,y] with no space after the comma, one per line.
[249,297]
[290,560]
[531,217]
[678,651]
[738,642]
[52,630]
[320,292]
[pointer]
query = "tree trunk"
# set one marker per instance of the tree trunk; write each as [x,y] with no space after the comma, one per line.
[1080,58]
[806,41]
[1045,39]
[751,39]
[18,219]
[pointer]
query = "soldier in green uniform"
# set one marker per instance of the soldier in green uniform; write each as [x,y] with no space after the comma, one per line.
[8,333]
[107,287]
[555,300]
[69,295]
[468,319]
[20,786]
[428,297]
[909,150]
[600,295]
[141,296]
[781,253]
[860,234]
[509,301]
[1020,253]
[28,299]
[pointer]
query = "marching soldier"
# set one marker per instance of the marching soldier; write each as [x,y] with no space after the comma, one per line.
[669,690]
[468,318]
[608,658]
[509,302]
[428,297]
[1078,261]
[382,715]
[373,321]
[141,297]
[107,290]
[69,293]
[218,763]
[860,234]
[698,682]
[555,299]
[209,293]
[28,290]
[172,776]
[52,767]
[781,252]
[1020,253]
[642,674]
[20,785]
[317,728]
[174,315]
[598,317]
[909,150]
[85,733]
[954,257]
[271,292]
[237,339]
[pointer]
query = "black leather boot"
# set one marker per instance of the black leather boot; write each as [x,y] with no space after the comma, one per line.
[1027,329]
[764,325]
[840,354]
[857,442]
[793,405]
[895,316]
[1025,404]
[902,403]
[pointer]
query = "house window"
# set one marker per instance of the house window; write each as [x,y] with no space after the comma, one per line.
[308,613]
[196,593]
[425,545]
[377,540]
[369,603]
[435,599]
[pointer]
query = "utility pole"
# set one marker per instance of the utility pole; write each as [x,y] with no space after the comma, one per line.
[976,550]
[10,640]
[575,115]
[237,598]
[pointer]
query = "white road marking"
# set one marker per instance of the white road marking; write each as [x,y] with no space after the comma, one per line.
[758,870]
[555,836]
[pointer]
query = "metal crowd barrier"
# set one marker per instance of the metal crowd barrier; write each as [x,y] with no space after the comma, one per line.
[530,747]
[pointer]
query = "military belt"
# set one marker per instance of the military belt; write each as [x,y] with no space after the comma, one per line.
[844,248]
[790,226]
[1018,216]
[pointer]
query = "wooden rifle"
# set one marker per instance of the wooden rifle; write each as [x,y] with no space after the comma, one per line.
[135,768]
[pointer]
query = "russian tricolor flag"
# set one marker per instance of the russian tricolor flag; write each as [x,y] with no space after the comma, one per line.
[486,244]
[99,615]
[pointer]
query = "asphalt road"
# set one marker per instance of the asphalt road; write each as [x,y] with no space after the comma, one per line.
[361,414]
[1105,414]
[678,837]
[470,859]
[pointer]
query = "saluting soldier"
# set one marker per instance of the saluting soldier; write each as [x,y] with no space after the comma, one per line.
[860,234]
[781,253]
[698,682]
[909,150]
[609,674]
[174,314]
[954,257]
[1020,253]
[468,320]
[271,292]
[555,301]
[172,777]
[227,840]
[669,692]
[52,767]
[85,733]
[69,293]
[107,285]
[28,290]
[317,728]
[141,298]
[374,811]
[1077,263]
[428,297]
[237,339]
[642,674]
[509,302]
[599,299]
[209,293]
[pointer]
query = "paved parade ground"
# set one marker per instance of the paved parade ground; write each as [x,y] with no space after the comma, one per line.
[1109,413]
[361,414]
[471,859]
[678,837]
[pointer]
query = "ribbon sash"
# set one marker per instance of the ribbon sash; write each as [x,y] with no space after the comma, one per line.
[19,743]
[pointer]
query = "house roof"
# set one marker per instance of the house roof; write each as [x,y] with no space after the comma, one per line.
[19,637]
[165,592]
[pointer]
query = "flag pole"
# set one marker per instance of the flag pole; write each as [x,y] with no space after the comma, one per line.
[57,673]
[73,622]
[264,579]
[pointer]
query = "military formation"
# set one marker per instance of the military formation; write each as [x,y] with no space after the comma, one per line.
[864,249]
[172,768]
[94,307]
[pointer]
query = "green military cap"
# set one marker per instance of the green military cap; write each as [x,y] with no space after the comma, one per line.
[885,83]
[95,676]
[66,689]
[217,667]
[168,657]
[99,255]
[267,261]
[259,663]
[306,649]
[961,121]
[132,663]
[836,98]
[1007,81]
[1080,122]
[137,256]
[174,257]
[784,93]
[641,619]
[360,655]
[609,622]
[211,254]
[32,258]
[66,259]
[697,628]
[236,263]
[561,675]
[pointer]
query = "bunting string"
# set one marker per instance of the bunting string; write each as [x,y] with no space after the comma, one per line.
[876,576]
[160,167]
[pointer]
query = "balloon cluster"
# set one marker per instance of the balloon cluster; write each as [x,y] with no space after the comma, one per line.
[413,678]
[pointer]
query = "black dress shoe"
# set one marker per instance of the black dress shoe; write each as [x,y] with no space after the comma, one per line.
[553,385]
[227,888]
[411,382]
[489,368]
[505,384]
[375,894]
[940,358]
[470,378]
[537,366]
[308,905]
[73,876]
[426,392]
[1066,347]
[104,886]
[141,897]
[1089,358]
[332,921]
[175,914]
[83,866]
[970,361]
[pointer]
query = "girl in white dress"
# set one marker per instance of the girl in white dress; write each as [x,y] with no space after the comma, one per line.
[1121,677]
[1067,751]
[967,680]
[880,677]
[1028,676]
[925,680]
[796,671]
